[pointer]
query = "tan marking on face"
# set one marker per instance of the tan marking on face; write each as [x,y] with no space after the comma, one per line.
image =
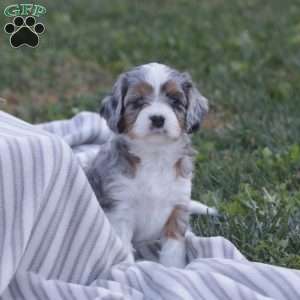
[170,87]
[142,89]
[131,134]
[172,228]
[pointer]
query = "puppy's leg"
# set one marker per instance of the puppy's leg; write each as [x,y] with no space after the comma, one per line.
[124,230]
[198,208]
[173,252]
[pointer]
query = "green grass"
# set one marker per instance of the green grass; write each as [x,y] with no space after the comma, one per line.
[244,55]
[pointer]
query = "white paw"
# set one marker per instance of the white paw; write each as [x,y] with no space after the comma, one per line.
[212,211]
[173,254]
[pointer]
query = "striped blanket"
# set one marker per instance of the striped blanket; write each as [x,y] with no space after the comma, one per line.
[56,243]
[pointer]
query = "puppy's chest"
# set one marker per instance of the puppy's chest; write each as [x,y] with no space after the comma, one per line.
[157,183]
[152,194]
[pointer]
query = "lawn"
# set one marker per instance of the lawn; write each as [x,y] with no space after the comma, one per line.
[244,56]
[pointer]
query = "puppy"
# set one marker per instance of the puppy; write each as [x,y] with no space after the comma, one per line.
[142,176]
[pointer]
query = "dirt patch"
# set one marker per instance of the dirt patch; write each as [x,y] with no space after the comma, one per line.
[215,120]
[58,82]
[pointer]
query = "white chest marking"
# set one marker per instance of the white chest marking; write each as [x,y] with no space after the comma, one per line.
[153,193]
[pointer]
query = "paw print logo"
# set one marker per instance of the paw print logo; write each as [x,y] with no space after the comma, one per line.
[24,32]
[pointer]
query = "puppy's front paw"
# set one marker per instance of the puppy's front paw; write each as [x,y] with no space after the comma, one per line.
[173,253]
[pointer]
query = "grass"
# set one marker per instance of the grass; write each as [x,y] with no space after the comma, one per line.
[244,55]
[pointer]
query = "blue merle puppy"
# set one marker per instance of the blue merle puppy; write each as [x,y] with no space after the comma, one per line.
[142,176]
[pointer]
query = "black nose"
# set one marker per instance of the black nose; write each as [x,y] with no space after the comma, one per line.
[157,121]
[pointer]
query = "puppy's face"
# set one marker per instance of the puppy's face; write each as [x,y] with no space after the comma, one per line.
[154,102]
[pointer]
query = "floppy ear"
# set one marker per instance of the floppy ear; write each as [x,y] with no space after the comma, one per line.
[112,106]
[197,105]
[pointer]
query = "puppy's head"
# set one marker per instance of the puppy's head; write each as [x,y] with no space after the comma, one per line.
[154,102]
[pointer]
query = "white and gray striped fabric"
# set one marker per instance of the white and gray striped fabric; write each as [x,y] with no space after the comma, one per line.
[55,242]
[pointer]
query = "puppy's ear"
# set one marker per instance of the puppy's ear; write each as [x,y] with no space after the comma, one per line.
[197,104]
[112,106]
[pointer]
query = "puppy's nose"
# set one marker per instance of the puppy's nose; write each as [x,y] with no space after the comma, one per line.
[157,121]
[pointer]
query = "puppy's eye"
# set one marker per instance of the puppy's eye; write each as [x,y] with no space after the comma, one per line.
[176,101]
[137,103]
